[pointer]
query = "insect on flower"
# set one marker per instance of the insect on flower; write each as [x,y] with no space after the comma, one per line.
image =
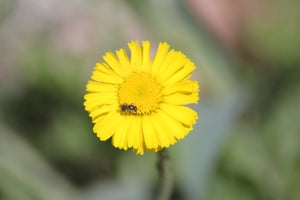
[128,108]
[145,97]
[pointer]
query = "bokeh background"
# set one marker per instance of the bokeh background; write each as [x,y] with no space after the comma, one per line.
[245,145]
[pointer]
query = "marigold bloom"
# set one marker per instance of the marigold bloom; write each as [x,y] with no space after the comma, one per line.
[138,102]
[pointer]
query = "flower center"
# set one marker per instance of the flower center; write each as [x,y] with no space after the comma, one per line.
[141,91]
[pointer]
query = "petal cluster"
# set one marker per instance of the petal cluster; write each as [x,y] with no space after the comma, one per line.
[157,90]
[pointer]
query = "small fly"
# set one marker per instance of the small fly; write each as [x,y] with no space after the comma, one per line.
[128,108]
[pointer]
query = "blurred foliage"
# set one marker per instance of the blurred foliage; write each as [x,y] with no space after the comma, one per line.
[275,34]
[261,161]
[245,144]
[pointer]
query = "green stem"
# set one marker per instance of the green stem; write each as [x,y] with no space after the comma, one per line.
[166,177]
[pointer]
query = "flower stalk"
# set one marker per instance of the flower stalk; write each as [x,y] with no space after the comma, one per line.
[166,176]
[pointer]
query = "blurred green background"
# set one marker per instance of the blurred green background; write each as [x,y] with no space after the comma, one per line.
[245,145]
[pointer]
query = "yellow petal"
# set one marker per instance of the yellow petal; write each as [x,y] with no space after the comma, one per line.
[135,131]
[162,139]
[183,114]
[186,86]
[97,99]
[166,59]
[180,99]
[113,63]
[106,78]
[146,57]
[136,56]
[175,127]
[164,133]
[183,74]
[140,149]
[94,86]
[149,132]
[155,149]
[161,53]
[125,63]
[120,138]
[104,68]
[100,110]
[171,65]
[106,126]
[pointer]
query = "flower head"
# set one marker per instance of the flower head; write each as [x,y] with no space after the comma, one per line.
[138,102]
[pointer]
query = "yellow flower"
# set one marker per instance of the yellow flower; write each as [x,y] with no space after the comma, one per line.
[138,102]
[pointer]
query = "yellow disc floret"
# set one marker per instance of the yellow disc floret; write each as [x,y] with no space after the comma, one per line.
[140,90]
